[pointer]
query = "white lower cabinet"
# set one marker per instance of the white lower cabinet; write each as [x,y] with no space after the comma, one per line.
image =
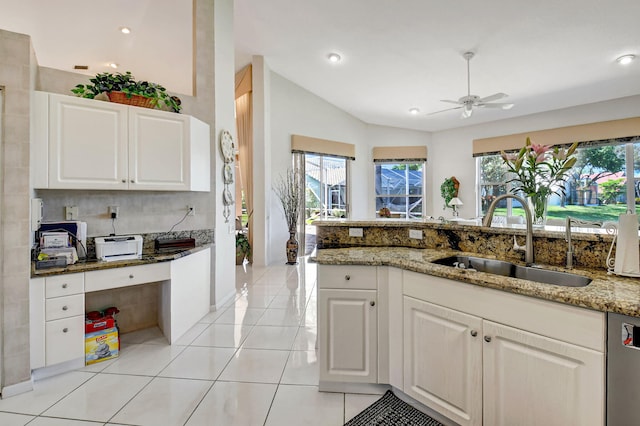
[64,339]
[443,360]
[348,343]
[530,379]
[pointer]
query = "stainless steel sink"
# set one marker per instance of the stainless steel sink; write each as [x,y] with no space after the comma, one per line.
[508,269]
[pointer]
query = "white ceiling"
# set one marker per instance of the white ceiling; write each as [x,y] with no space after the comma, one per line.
[397,54]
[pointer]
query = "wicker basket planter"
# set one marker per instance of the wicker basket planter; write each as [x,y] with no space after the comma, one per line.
[134,100]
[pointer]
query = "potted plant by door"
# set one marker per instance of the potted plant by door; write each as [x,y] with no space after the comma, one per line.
[124,89]
[243,248]
[289,192]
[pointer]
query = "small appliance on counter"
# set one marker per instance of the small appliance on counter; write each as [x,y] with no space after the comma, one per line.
[121,247]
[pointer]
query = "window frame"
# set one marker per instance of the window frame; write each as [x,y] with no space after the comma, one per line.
[407,195]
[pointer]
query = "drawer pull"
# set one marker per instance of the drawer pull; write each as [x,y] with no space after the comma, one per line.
[347,277]
[474,333]
[65,285]
[64,330]
[487,339]
[124,181]
[132,181]
[131,276]
[64,308]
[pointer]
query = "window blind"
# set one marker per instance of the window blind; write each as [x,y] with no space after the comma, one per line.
[309,145]
[592,134]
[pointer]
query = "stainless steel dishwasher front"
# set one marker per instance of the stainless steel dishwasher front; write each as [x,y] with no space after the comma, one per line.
[623,370]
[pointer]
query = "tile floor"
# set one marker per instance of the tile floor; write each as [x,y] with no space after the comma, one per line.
[253,362]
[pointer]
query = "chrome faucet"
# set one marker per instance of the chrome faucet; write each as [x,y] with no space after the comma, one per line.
[528,245]
[571,220]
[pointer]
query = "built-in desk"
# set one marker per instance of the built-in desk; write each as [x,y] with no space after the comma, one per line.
[57,312]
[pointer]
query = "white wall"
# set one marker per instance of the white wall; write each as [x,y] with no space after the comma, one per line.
[451,150]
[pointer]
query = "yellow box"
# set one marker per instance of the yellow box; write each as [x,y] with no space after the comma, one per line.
[101,345]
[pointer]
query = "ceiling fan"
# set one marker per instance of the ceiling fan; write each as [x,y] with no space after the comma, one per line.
[467,103]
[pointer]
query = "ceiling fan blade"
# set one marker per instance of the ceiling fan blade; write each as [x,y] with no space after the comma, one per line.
[450,101]
[496,105]
[444,110]
[493,97]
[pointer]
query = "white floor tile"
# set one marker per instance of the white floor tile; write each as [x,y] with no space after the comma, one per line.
[188,337]
[46,392]
[145,360]
[254,301]
[212,316]
[234,404]
[306,339]
[151,335]
[271,337]
[281,317]
[301,369]
[223,336]
[51,421]
[355,403]
[255,365]
[164,401]
[304,405]
[244,316]
[288,301]
[100,398]
[10,419]
[199,362]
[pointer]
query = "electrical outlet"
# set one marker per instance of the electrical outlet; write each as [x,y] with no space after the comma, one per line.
[415,233]
[191,210]
[355,232]
[114,211]
[71,212]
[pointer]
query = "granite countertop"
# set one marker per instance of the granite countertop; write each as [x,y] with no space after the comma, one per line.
[606,293]
[95,264]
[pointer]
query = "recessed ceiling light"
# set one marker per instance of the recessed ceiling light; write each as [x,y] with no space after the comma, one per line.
[334,58]
[625,59]
[125,30]
[113,65]
[414,111]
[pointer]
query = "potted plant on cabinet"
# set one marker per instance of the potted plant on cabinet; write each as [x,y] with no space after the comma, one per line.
[243,248]
[123,88]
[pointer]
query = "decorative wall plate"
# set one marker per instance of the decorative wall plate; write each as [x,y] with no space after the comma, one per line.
[227,146]
[227,173]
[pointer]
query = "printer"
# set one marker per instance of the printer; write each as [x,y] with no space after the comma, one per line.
[120,247]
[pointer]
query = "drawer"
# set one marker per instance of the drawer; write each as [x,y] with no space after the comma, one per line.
[64,285]
[64,340]
[64,307]
[130,275]
[347,276]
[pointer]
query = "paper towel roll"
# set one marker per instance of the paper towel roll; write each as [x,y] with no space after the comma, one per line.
[627,253]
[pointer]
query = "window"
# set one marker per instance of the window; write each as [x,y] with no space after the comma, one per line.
[400,188]
[595,191]
[326,187]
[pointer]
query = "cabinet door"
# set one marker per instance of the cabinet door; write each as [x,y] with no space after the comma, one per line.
[158,150]
[443,360]
[534,380]
[87,144]
[64,340]
[347,330]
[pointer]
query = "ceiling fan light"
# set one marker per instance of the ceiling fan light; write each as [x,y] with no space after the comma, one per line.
[467,111]
[507,106]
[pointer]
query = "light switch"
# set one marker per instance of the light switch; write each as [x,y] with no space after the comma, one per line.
[355,232]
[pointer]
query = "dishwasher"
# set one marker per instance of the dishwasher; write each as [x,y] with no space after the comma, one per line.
[623,370]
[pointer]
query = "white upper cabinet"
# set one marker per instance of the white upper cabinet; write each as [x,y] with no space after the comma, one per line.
[88,144]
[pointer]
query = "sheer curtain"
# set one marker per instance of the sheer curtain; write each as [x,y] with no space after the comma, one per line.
[244,125]
[299,169]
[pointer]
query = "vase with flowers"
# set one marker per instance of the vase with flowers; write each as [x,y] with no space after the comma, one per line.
[538,171]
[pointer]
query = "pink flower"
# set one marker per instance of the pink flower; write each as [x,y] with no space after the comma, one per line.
[539,149]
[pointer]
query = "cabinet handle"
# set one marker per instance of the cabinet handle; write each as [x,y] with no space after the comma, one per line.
[131,276]
[124,181]
[64,330]
[65,285]
[372,303]
[474,333]
[132,181]
[64,308]
[347,277]
[487,339]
